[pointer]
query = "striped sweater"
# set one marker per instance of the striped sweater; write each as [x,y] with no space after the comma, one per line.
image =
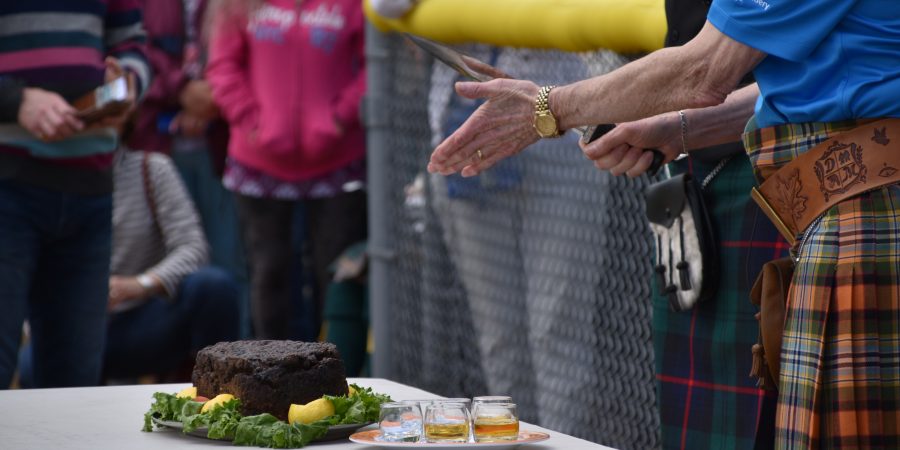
[60,46]
[171,248]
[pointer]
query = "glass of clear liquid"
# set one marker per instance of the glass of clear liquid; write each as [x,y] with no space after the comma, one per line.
[400,422]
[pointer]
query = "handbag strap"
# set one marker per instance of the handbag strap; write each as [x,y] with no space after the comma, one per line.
[712,174]
[149,193]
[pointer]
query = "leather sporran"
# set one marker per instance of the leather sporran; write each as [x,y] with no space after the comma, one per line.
[770,293]
[687,267]
[792,197]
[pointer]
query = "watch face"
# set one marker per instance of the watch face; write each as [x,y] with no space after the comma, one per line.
[545,125]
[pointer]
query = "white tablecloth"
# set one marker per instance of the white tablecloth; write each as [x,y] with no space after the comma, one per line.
[111,418]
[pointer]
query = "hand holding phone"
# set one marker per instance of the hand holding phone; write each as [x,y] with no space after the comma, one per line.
[46,115]
[108,100]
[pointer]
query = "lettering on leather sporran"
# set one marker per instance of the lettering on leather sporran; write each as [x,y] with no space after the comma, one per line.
[839,168]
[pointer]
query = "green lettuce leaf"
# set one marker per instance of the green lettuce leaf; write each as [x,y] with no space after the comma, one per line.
[223,420]
[362,407]
[263,430]
[191,408]
[165,407]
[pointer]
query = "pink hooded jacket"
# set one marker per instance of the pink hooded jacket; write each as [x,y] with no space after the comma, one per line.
[287,77]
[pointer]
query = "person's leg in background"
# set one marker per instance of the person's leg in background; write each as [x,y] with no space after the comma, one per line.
[26,367]
[216,206]
[212,299]
[266,231]
[157,336]
[303,289]
[19,248]
[479,222]
[583,296]
[577,267]
[333,224]
[481,234]
[67,311]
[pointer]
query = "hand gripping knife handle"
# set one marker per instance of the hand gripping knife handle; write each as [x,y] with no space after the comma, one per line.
[594,132]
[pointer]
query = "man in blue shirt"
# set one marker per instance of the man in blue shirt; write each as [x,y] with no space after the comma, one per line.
[823,68]
[826,61]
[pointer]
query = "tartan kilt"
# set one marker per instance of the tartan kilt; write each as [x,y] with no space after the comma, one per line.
[840,358]
[703,355]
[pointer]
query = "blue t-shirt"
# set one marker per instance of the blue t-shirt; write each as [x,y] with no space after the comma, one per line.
[828,59]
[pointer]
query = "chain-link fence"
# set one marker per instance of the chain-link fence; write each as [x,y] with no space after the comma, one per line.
[529,280]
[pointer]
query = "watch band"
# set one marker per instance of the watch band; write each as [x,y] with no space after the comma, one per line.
[544,117]
[146,281]
[542,102]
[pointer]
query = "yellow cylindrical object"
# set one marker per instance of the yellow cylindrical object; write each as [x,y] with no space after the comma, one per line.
[630,26]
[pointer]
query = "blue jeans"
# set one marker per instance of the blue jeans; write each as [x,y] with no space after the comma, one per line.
[54,269]
[159,335]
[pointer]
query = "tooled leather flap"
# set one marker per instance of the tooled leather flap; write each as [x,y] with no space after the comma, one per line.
[850,163]
[665,200]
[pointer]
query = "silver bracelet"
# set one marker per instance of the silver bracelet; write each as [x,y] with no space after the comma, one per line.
[684,146]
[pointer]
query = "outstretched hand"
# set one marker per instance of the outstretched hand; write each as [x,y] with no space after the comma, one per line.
[622,150]
[499,128]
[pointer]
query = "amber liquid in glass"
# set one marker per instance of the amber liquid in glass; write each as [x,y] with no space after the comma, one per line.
[489,429]
[440,432]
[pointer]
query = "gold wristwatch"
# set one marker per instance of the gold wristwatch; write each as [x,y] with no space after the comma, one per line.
[544,121]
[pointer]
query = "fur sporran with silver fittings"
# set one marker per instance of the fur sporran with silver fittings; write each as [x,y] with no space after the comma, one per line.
[687,267]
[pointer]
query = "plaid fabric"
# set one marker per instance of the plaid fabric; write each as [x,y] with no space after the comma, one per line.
[840,358]
[706,398]
[770,148]
[246,180]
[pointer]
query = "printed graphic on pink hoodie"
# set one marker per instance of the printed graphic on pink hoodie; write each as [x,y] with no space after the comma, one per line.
[289,78]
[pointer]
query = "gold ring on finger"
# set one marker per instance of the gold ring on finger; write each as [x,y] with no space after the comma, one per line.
[480,155]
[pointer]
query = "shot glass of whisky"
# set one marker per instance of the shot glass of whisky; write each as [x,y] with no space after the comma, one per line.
[447,422]
[491,399]
[495,422]
[467,402]
[400,422]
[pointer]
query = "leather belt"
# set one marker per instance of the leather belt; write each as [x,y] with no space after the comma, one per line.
[846,165]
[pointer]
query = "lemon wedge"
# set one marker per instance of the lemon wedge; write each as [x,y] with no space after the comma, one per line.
[315,410]
[216,401]
[190,392]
